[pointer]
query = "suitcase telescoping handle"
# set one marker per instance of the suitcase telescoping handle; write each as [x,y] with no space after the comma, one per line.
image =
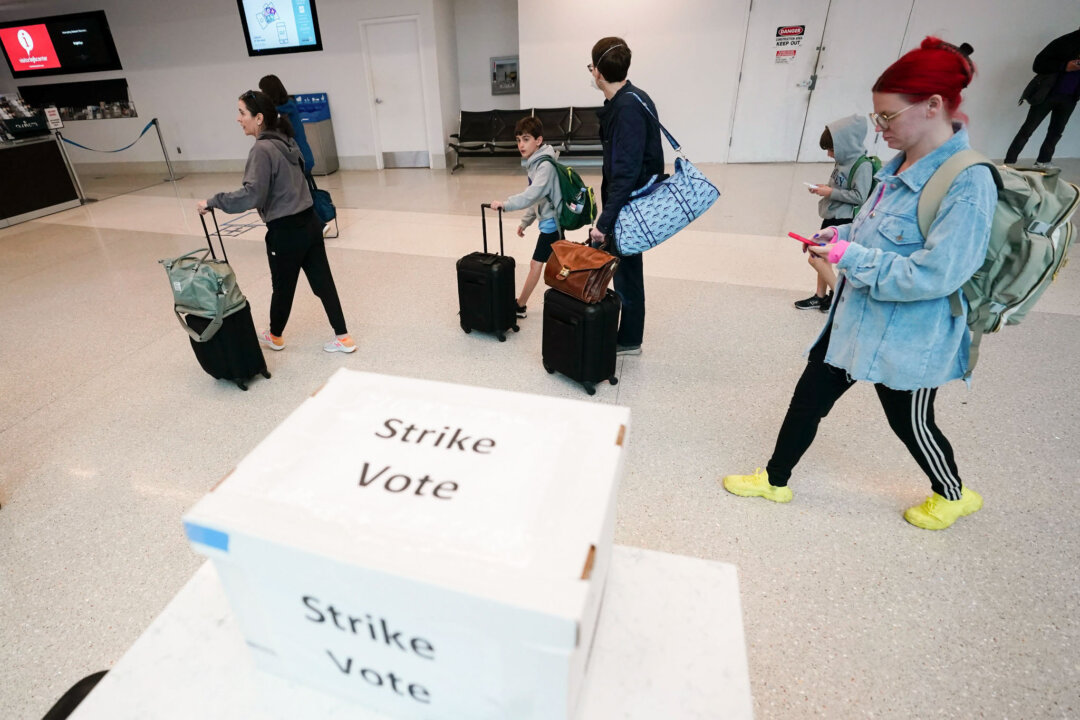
[218,231]
[483,219]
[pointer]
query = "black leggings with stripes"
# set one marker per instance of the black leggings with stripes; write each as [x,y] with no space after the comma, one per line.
[910,414]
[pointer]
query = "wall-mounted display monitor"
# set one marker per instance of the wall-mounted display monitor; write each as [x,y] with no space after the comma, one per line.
[59,45]
[273,27]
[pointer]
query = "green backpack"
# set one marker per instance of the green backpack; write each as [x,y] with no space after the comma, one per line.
[875,166]
[1029,242]
[578,206]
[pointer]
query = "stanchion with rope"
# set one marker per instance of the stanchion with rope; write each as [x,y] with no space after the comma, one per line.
[154,124]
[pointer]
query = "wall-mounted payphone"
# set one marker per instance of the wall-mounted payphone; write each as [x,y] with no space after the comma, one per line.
[504,75]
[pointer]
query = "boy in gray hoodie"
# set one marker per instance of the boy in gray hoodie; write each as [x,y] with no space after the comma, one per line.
[849,186]
[541,197]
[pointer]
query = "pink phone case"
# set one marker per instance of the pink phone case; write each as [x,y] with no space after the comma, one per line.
[801,239]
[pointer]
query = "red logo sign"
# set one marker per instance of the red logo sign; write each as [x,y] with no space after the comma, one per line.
[29,47]
[790,30]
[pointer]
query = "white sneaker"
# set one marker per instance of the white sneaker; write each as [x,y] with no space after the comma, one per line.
[336,344]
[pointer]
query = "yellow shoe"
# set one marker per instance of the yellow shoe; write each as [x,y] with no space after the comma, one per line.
[756,485]
[937,513]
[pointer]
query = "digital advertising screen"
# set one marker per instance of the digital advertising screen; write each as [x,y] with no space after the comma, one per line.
[59,45]
[273,27]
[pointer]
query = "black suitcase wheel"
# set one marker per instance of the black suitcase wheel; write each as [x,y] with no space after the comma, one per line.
[589,388]
[515,328]
[613,380]
[266,374]
[240,384]
[466,328]
[502,337]
[551,370]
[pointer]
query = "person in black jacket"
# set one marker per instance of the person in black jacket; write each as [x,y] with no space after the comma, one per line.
[1061,58]
[632,154]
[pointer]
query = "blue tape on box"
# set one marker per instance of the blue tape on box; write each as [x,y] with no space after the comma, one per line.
[207,536]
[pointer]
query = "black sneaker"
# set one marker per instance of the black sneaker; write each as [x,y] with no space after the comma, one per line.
[814,302]
[521,311]
[826,303]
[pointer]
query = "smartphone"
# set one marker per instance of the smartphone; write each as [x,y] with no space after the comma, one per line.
[800,238]
[812,186]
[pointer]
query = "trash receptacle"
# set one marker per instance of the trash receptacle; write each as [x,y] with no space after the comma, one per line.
[315,115]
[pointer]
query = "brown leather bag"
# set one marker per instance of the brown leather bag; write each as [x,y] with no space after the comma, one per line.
[579,271]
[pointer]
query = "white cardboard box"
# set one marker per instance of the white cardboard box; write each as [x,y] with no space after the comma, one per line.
[426,549]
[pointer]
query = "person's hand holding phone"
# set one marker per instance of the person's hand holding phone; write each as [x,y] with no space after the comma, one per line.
[825,235]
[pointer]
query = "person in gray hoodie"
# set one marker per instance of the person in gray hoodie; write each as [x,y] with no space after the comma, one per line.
[849,186]
[542,199]
[274,185]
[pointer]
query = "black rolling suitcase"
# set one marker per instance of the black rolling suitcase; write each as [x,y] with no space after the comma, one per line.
[579,338]
[486,298]
[233,352]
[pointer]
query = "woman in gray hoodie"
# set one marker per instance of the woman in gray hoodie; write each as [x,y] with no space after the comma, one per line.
[274,185]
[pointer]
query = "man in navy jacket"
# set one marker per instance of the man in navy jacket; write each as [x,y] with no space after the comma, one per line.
[632,154]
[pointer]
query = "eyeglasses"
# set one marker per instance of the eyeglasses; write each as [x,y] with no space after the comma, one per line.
[590,67]
[882,120]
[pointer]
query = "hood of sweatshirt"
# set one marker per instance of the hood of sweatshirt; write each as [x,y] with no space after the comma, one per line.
[282,142]
[849,140]
[530,162]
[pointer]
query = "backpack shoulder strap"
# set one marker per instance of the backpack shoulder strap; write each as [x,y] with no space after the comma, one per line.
[935,189]
[931,197]
[556,189]
[862,159]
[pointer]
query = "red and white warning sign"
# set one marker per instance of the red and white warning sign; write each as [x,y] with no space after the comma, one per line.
[785,56]
[789,36]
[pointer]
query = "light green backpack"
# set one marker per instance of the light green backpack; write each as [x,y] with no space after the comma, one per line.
[205,286]
[1029,242]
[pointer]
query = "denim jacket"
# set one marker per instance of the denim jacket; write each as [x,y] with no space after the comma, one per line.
[892,323]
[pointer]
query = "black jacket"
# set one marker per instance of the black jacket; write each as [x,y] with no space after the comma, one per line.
[1055,56]
[632,150]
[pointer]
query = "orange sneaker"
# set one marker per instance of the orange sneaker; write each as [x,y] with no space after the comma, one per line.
[271,341]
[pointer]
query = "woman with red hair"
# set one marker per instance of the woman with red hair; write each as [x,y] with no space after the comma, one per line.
[891,322]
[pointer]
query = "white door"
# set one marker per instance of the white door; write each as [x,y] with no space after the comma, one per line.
[861,40]
[779,56]
[392,54]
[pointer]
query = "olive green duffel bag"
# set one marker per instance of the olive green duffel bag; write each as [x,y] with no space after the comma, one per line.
[205,286]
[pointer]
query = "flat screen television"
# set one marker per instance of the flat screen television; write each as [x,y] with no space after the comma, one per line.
[59,45]
[274,27]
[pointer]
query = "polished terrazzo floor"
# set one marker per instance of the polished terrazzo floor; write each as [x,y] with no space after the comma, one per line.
[109,431]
